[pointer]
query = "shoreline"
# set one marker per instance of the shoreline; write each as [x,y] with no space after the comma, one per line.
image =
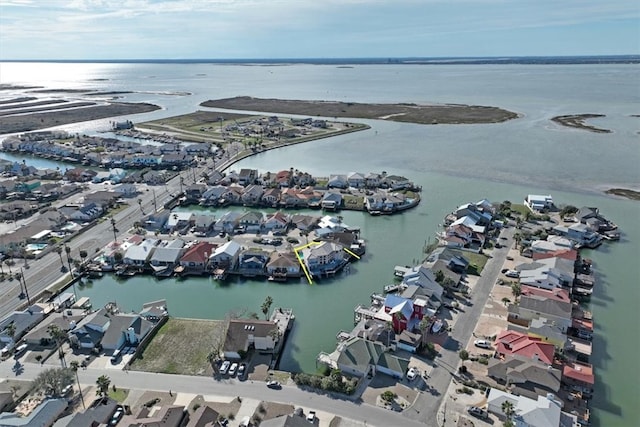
[578,121]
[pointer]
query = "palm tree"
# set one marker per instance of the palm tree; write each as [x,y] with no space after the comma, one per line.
[506,301]
[59,252]
[516,290]
[74,367]
[67,249]
[464,356]
[103,383]
[58,336]
[508,410]
[266,306]
[83,255]
[113,225]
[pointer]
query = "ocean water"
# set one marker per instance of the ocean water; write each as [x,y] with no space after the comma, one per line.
[453,163]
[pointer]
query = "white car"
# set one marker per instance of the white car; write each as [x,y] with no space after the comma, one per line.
[233,368]
[482,344]
[225,367]
[412,373]
[512,273]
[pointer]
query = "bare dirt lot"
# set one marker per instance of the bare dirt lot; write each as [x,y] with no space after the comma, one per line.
[181,346]
[411,113]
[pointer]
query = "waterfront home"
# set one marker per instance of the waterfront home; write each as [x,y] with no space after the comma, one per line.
[283,265]
[270,197]
[101,176]
[79,175]
[356,180]
[212,195]
[167,255]
[252,262]
[88,332]
[408,341]
[225,256]
[580,233]
[213,177]
[153,311]
[195,191]
[404,313]
[547,273]
[324,258]
[233,194]
[126,190]
[331,200]
[525,377]
[594,220]
[252,195]
[179,160]
[290,198]
[247,176]
[545,411]
[538,203]
[338,181]
[178,221]
[422,298]
[539,327]
[455,260]
[579,376]
[196,258]
[372,180]
[553,305]
[304,223]
[277,221]
[552,244]
[138,255]
[124,330]
[510,343]
[227,222]
[396,182]
[424,278]
[359,357]
[243,334]
[251,221]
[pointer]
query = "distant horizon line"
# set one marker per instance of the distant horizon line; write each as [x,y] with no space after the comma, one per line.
[408,60]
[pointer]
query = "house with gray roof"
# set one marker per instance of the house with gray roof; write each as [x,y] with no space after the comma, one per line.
[125,330]
[165,416]
[325,257]
[262,335]
[44,415]
[524,376]
[22,321]
[89,331]
[547,273]
[285,421]
[99,413]
[167,255]
[138,255]
[65,322]
[545,411]
[225,256]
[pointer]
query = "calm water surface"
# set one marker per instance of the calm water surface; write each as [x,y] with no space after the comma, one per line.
[454,164]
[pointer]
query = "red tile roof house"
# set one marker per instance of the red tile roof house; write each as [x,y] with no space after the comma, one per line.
[195,259]
[578,375]
[515,343]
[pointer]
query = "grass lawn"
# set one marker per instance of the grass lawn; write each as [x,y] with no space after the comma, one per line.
[520,209]
[353,202]
[181,346]
[119,395]
[476,262]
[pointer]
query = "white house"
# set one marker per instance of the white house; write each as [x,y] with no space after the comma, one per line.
[544,412]
[538,203]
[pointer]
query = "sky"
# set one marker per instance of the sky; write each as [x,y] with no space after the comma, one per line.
[235,29]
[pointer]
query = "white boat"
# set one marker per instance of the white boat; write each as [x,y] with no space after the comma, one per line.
[391,288]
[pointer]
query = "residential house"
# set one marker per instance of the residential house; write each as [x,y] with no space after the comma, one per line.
[99,413]
[283,265]
[424,278]
[252,195]
[549,273]
[405,314]
[356,180]
[225,256]
[244,334]
[88,332]
[251,262]
[289,420]
[396,182]
[337,181]
[331,200]
[106,199]
[43,415]
[247,176]
[304,222]
[251,221]
[167,255]
[213,195]
[124,330]
[359,357]
[524,376]
[510,343]
[157,220]
[196,258]
[290,198]
[22,321]
[153,311]
[552,305]
[277,221]
[594,220]
[138,255]
[409,341]
[372,180]
[165,416]
[579,233]
[538,203]
[227,222]
[271,197]
[126,190]
[545,411]
[195,191]
[205,416]
[179,221]
[39,335]
[79,175]
[579,376]
[203,224]
[324,258]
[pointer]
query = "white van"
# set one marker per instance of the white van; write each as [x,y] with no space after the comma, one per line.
[20,350]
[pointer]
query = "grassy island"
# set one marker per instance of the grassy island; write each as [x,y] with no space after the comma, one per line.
[624,192]
[578,121]
[409,113]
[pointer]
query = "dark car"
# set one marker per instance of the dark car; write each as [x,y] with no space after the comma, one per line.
[478,412]
[274,384]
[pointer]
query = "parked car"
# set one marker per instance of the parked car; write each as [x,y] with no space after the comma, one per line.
[242,369]
[274,384]
[311,416]
[412,373]
[233,368]
[225,367]
[115,419]
[482,344]
[512,273]
[478,412]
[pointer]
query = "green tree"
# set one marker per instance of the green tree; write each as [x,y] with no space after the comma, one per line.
[59,337]
[83,255]
[508,410]
[506,301]
[516,290]
[388,396]
[266,306]
[103,383]
[52,381]
[74,366]
[464,356]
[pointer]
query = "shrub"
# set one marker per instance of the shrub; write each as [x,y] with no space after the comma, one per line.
[388,396]
[196,406]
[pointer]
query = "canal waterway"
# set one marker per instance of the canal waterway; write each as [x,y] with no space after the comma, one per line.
[454,164]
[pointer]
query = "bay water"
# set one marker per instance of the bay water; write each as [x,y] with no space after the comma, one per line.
[454,164]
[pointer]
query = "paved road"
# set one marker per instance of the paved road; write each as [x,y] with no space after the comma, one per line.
[361,412]
[447,363]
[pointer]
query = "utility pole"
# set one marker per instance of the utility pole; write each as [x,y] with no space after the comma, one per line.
[113,224]
[26,291]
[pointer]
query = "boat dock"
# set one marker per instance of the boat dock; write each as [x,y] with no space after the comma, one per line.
[400,270]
